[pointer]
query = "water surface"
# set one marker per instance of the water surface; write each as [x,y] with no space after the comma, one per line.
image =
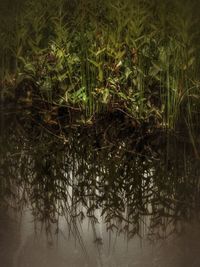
[97,196]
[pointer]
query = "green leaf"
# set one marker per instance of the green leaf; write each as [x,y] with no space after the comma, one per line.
[105,95]
[127,72]
[96,64]
[100,76]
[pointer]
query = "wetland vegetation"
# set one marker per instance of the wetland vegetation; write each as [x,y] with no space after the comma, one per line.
[99,114]
[138,57]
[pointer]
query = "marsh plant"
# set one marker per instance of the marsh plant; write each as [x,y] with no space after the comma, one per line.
[141,57]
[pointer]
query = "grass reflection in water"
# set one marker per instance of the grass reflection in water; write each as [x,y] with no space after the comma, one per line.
[135,183]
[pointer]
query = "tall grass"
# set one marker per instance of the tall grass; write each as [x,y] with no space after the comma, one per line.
[139,56]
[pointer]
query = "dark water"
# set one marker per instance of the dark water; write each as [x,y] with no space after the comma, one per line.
[97,196]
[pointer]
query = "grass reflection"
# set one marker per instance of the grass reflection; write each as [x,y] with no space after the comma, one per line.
[137,183]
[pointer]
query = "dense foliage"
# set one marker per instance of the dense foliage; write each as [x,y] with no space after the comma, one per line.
[138,56]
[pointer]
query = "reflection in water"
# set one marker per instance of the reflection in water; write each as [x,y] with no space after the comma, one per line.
[92,196]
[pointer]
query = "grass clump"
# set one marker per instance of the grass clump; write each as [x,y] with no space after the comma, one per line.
[141,57]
